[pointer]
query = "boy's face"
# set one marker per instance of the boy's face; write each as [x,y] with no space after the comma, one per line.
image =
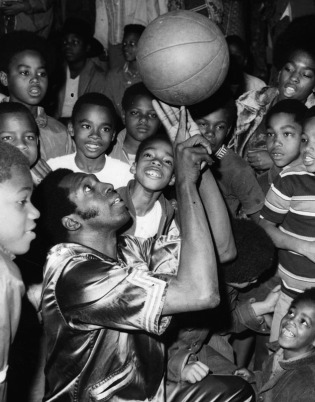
[129,46]
[18,130]
[215,127]
[140,119]
[297,329]
[308,144]
[283,139]
[93,131]
[155,166]
[26,79]
[74,48]
[297,77]
[17,214]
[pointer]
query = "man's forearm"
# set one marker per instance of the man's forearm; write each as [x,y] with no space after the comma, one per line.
[218,217]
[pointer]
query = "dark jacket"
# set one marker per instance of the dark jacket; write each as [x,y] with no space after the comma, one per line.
[296,383]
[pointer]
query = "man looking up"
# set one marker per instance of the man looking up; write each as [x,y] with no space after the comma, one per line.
[102,314]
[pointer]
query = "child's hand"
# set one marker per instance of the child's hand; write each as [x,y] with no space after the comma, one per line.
[40,170]
[268,305]
[259,159]
[246,374]
[194,372]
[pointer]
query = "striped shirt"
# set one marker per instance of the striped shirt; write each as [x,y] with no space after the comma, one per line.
[290,202]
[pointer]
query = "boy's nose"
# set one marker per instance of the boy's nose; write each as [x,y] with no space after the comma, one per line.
[156,162]
[20,145]
[34,212]
[34,78]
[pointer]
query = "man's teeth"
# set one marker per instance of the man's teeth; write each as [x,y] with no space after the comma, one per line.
[287,333]
[117,200]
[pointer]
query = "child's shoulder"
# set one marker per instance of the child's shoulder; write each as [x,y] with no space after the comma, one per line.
[64,161]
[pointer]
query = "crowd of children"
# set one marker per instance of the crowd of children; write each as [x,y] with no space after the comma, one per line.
[252,164]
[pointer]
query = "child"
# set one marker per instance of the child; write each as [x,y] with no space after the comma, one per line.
[288,374]
[288,218]
[18,127]
[23,70]
[153,169]
[17,216]
[93,125]
[119,79]
[81,73]
[296,81]
[235,178]
[141,122]
[283,138]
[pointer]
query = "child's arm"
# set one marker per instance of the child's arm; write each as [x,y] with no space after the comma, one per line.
[287,242]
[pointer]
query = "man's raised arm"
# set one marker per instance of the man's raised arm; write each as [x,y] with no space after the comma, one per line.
[196,284]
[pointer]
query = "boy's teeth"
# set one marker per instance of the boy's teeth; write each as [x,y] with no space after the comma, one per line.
[153,173]
[288,333]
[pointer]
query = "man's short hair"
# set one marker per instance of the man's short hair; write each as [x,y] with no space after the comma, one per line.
[289,106]
[20,41]
[138,89]
[256,253]
[94,98]
[53,203]
[16,107]
[11,156]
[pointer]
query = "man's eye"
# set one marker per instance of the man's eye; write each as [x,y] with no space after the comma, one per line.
[6,138]
[87,188]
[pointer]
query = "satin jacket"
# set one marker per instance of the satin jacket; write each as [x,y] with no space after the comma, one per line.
[101,319]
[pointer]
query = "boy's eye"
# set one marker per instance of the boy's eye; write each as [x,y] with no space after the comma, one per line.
[220,127]
[287,134]
[305,323]
[106,129]
[42,74]
[23,202]
[134,113]
[270,134]
[303,140]
[31,138]
[147,155]
[169,162]
[86,126]
[25,72]
[153,115]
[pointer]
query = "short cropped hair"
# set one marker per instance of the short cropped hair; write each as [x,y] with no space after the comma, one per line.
[53,203]
[256,253]
[222,99]
[16,107]
[132,92]
[159,136]
[310,113]
[308,296]
[289,106]
[19,41]
[11,156]
[134,28]
[94,98]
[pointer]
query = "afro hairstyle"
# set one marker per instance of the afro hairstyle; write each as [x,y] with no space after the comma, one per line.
[53,203]
[256,253]
[11,156]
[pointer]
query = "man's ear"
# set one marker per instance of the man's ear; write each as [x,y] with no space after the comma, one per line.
[70,128]
[4,78]
[133,168]
[172,181]
[70,223]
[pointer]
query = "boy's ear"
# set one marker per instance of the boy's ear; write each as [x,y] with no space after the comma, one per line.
[70,223]
[133,168]
[123,116]
[70,128]
[172,181]
[4,78]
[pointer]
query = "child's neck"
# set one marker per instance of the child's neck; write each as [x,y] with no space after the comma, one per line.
[89,165]
[143,200]
[130,145]
[76,68]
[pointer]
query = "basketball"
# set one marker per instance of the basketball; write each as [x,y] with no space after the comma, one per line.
[182,57]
